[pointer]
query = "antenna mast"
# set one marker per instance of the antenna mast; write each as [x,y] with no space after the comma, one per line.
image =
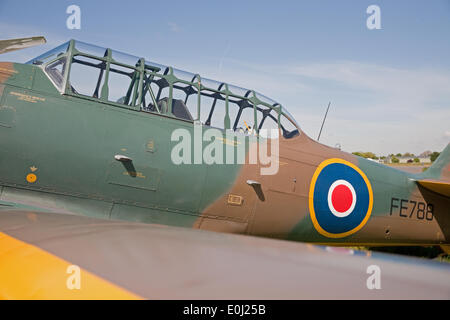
[323,122]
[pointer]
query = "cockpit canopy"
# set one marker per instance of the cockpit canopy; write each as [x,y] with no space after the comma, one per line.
[88,71]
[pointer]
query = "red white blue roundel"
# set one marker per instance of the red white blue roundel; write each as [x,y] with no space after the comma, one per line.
[340,199]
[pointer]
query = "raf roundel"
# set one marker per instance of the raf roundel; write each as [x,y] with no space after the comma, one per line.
[340,198]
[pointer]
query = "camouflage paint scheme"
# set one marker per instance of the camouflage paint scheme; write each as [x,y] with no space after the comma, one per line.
[57,155]
[18,44]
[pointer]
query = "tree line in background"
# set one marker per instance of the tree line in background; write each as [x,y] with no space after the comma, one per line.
[395,157]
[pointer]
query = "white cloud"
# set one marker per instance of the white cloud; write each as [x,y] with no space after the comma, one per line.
[407,88]
[374,107]
[174,27]
[396,109]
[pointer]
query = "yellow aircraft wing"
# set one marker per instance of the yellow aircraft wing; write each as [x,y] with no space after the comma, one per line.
[438,186]
[46,255]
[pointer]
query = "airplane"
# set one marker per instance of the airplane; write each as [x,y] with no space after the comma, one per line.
[89,131]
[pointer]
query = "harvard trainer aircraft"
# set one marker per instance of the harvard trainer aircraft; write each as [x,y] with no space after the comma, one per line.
[89,131]
[86,140]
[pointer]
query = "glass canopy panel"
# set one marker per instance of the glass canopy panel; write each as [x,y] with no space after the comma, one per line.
[237,90]
[131,60]
[125,58]
[50,55]
[153,65]
[90,49]
[265,99]
[211,84]
[184,75]
[290,117]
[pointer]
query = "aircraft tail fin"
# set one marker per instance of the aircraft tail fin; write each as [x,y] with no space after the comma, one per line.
[437,177]
[440,169]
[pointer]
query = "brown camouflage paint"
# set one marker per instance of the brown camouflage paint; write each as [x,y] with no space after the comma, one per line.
[6,71]
[298,160]
[286,195]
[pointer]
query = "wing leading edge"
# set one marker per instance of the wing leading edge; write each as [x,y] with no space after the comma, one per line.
[438,186]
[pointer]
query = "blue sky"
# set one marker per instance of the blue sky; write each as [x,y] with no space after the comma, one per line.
[390,88]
